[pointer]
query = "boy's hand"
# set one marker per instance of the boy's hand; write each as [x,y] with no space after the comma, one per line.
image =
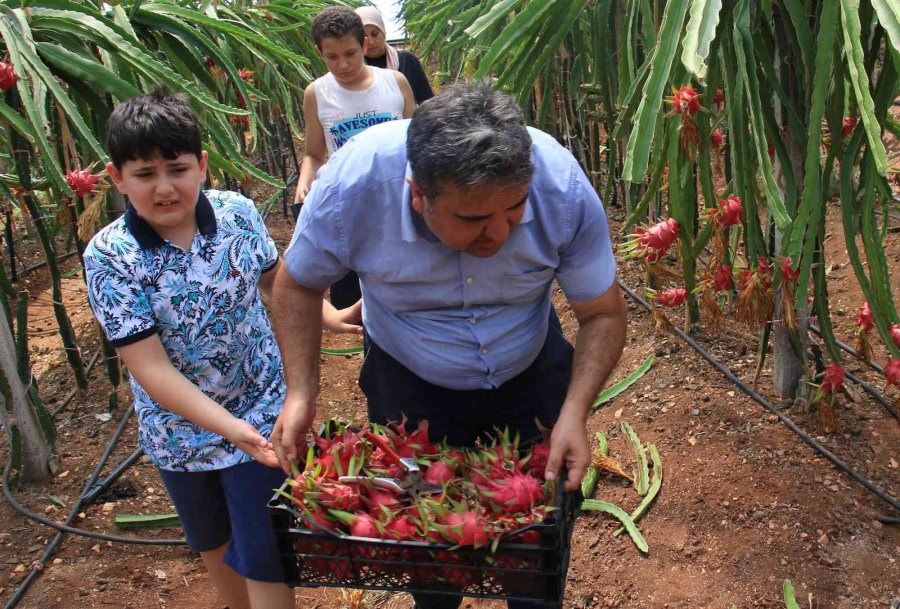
[244,436]
[289,434]
[343,321]
[300,194]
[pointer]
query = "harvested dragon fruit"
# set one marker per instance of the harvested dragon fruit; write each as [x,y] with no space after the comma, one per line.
[385,482]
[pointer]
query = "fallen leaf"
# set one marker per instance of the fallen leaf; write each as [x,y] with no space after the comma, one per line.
[894,464]
[57,561]
[95,549]
[103,417]
[618,413]
[160,574]
[692,441]
[19,569]
[63,474]
[730,394]
[56,500]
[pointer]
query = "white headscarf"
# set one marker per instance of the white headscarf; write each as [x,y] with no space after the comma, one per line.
[372,16]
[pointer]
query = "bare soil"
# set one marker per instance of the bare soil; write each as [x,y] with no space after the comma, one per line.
[744,503]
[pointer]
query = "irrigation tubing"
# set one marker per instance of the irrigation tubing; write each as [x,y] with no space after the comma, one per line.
[38,566]
[879,397]
[72,393]
[865,482]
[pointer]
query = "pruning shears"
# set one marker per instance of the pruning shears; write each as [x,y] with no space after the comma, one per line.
[411,483]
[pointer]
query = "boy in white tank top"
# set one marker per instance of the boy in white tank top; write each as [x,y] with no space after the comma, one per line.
[347,100]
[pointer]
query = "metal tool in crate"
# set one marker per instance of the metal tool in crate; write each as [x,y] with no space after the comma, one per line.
[411,482]
[534,572]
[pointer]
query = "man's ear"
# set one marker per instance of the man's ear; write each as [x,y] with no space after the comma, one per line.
[419,202]
[204,163]
[116,176]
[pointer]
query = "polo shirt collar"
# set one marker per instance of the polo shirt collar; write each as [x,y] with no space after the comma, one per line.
[148,238]
[412,225]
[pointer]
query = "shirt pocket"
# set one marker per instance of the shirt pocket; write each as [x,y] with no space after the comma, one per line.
[526,286]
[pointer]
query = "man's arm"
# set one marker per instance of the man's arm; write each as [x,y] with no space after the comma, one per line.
[316,148]
[297,316]
[601,338]
[149,364]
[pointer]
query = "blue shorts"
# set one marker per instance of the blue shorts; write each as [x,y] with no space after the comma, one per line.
[230,506]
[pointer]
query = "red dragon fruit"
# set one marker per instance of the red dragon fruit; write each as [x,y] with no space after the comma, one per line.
[719,97]
[833,378]
[864,319]
[730,211]
[685,101]
[466,528]
[847,126]
[892,371]
[82,182]
[652,243]
[440,472]
[516,493]
[723,279]
[788,274]
[8,76]
[670,298]
[716,139]
[895,334]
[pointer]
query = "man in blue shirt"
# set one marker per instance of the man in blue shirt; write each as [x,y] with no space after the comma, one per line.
[457,223]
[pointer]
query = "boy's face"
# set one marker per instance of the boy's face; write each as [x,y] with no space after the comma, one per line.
[344,57]
[164,192]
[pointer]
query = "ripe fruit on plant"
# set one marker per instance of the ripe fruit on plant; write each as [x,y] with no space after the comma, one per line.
[82,182]
[833,378]
[719,97]
[652,243]
[788,274]
[8,76]
[245,74]
[670,298]
[895,334]
[730,211]
[892,371]
[848,125]
[716,139]
[685,101]
[864,319]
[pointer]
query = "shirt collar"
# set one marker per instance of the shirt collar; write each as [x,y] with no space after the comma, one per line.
[148,238]
[412,225]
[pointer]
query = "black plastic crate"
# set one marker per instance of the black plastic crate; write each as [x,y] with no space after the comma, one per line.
[535,572]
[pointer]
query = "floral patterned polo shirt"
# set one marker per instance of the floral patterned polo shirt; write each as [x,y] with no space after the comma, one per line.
[206,308]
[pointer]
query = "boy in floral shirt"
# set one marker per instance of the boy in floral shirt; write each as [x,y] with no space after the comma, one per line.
[175,284]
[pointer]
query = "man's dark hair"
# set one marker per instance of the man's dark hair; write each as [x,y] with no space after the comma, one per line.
[147,125]
[337,22]
[468,135]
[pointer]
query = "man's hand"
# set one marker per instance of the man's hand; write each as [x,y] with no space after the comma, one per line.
[342,321]
[244,436]
[289,435]
[569,445]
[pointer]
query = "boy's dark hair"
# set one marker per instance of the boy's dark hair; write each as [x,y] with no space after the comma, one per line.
[151,124]
[337,22]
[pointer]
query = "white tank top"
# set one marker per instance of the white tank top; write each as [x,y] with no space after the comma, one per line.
[344,113]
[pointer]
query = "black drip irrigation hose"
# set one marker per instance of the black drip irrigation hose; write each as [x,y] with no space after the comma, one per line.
[809,440]
[37,566]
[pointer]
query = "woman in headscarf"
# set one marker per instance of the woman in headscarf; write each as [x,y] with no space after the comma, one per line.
[382,55]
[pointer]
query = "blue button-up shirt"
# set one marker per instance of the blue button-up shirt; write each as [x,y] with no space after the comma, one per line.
[455,320]
[204,304]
